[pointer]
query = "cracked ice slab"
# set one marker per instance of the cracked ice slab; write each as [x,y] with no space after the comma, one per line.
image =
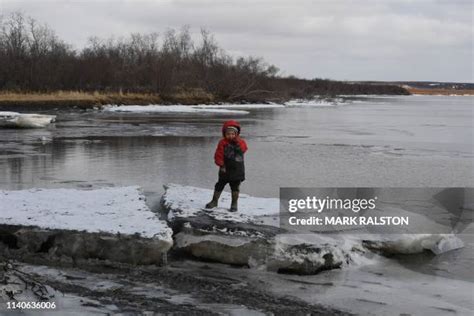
[187,201]
[104,222]
[252,236]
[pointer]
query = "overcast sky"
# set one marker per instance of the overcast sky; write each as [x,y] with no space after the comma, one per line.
[336,39]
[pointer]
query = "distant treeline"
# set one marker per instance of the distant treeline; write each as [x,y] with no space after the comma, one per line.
[34,59]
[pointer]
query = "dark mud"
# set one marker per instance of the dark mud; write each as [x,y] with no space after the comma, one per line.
[182,288]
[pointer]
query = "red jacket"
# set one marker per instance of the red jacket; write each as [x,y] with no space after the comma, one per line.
[219,155]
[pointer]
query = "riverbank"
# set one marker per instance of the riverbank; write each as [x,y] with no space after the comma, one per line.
[446,92]
[13,101]
[183,287]
[89,100]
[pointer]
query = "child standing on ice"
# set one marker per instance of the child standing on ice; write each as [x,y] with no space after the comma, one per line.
[229,157]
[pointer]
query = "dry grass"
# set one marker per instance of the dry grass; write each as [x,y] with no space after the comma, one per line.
[440,91]
[71,96]
[89,99]
[78,99]
[190,96]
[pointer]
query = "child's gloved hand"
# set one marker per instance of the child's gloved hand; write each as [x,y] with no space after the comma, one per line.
[222,169]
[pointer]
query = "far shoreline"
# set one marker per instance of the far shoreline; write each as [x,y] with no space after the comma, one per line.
[10,101]
[90,100]
[446,92]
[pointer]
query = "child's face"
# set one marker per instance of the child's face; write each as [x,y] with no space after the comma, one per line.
[230,135]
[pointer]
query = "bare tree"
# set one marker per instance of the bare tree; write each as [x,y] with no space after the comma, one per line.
[33,58]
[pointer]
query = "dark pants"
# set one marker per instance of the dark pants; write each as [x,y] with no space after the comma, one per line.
[234,185]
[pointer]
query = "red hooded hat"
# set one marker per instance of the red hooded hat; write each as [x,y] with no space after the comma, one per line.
[229,124]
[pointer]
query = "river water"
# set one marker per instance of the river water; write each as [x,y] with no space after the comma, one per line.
[387,141]
[413,141]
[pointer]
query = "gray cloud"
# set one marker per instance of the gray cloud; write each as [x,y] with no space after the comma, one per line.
[346,40]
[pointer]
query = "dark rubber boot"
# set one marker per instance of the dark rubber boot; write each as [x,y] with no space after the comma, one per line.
[215,200]
[235,198]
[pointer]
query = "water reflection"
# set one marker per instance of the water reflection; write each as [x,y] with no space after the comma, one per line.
[146,161]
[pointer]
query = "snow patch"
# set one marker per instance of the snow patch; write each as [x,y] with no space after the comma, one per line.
[109,210]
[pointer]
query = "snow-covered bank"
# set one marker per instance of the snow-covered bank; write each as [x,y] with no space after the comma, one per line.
[254,237]
[250,106]
[315,102]
[237,109]
[20,120]
[107,223]
[442,95]
[171,109]
[233,109]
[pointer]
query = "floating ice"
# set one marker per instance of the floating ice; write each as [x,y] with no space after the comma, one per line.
[413,243]
[20,120]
